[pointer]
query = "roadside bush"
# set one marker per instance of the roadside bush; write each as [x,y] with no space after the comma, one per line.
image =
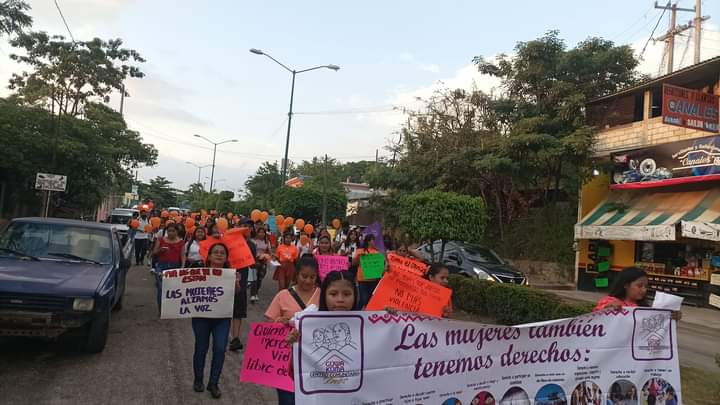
[510,304]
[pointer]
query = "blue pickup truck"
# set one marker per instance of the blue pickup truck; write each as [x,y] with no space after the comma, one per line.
[61,276]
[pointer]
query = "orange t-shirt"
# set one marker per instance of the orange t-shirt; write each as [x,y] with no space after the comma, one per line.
[285,306]
[358,253]
[286,254]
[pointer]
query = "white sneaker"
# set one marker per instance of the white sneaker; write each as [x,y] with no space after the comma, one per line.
[254,299]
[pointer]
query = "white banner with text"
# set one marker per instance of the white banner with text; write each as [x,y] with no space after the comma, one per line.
[197,293]
[619,357]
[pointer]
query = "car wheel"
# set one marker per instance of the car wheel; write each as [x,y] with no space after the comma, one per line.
[97,333]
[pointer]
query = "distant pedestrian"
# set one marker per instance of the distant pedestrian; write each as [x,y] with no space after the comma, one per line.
[366,285]
[141,240]
[262,258]
[287,255]
[169,253]
[192,248]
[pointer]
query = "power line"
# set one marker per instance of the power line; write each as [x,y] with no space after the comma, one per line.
[64,21]
[644,16]
[653,32]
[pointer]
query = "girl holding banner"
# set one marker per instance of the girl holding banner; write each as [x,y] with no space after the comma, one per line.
[287,303]
[219,328]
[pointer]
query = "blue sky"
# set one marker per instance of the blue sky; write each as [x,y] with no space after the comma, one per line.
[202,79]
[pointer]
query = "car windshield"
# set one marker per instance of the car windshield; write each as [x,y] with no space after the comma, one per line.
[479,254]
[56,242]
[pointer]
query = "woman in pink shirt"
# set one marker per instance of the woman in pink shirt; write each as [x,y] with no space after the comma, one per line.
[629,290]
[304,291]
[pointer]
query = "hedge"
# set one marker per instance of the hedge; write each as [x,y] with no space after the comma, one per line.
[510,304]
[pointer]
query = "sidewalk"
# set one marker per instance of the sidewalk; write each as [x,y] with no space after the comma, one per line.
[709,318]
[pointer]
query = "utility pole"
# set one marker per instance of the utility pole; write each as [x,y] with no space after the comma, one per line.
[673,30]
[324,209]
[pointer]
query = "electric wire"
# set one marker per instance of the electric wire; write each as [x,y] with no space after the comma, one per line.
[62,16]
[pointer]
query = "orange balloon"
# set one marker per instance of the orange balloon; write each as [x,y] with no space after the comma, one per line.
[264,216]
[155,222]
[308,229]
[148,228]
[134,224]
[279,219]
[336,223]
[299,223]
[189,223]
[190,230]
[289,221]
[222,224]
[255,215]
[164,214]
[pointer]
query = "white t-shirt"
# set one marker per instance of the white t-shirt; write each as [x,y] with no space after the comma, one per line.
[139,234]
[193,255]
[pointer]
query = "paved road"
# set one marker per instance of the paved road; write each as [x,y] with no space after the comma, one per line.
[146,361]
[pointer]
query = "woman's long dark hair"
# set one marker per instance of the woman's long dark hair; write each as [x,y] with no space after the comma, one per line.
[332,277]
[625,277]
[307,260]
[346,243]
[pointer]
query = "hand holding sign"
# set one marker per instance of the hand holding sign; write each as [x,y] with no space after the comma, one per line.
[206,293]
[407,292]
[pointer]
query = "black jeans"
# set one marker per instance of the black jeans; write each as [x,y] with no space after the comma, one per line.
[203,328]
[141,248]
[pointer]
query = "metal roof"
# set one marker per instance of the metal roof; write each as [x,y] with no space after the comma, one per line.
[679,77]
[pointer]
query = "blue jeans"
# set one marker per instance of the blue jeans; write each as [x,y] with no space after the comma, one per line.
[202,329]
[158,278]
[365,290]
[286,397]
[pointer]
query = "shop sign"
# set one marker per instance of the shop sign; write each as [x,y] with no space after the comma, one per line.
[50,182]
[715,279]
[693,157]
[700,230]
[614,232]
[714,300]
[690,108]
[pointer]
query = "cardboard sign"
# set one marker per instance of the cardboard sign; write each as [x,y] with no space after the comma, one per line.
[240,254]
[201,292]
[328,264]
[409,293]
[406,265]
[205,246]
[267,357]
[373,265]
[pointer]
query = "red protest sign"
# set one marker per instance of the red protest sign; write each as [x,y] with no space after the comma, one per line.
[267,358]
[406,264]
[327,264]
[407,292]
[240,255]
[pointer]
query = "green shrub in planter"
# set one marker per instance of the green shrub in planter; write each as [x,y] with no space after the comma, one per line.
[572,310]
[469,294]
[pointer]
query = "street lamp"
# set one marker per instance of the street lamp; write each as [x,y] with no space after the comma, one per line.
[215,145]
[292,93]
[199,170]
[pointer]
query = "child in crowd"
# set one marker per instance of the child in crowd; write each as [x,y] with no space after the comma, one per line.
[438,273]
[287,303]
[287,254]
[628,290]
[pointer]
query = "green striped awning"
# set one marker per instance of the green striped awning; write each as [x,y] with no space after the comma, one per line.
[633,215]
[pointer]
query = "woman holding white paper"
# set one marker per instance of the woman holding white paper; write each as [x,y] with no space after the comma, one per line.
[629,290]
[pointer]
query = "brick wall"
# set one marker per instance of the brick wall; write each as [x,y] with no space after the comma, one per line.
[641,134]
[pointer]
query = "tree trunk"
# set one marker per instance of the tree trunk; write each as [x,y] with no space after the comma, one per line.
[498,203]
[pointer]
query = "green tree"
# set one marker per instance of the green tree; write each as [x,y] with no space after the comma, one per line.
[159,190]
[262,185]
[434,215]
[13,17]
[306,203]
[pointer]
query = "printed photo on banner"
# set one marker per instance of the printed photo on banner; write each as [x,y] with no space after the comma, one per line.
[267,358]
[407,292]
[197,292]
[404,358]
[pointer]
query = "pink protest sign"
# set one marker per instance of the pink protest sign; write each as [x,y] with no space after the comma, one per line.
[267,357]
[328,264]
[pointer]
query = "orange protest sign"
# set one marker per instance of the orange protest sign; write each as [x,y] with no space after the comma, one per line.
[406,265]
[205,246]
[240,255]
[407,292]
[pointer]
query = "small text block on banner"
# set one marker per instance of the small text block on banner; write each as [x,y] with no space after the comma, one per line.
[406,264]
[202,293]
[373,265]
[267,358]
[407,292]
[328,264]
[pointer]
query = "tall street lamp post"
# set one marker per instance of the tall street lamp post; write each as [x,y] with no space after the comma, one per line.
[292,93]
[215,145]
[199,170]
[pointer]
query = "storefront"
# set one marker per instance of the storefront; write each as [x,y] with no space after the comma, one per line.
[660,212]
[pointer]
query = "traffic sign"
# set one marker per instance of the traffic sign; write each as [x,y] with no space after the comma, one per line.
[50,182]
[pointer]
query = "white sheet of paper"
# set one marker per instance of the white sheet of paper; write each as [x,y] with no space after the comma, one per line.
[667,301]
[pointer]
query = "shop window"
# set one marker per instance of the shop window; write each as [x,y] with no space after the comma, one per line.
[638,110]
